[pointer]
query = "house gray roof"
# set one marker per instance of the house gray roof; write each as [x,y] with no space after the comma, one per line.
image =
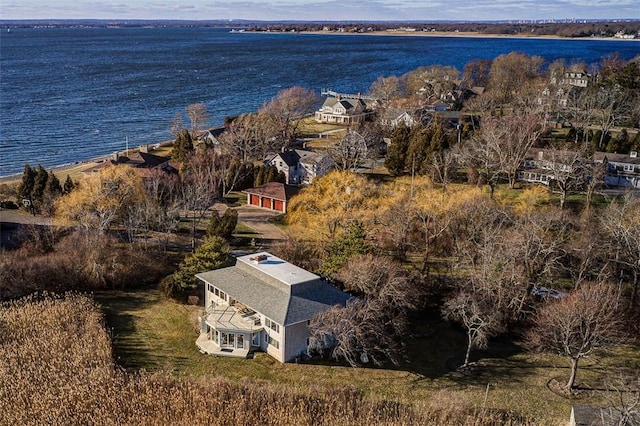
[275,190]
[616,158]
[277,289]
[290,157]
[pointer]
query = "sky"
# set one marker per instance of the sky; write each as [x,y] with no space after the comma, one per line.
[314,10]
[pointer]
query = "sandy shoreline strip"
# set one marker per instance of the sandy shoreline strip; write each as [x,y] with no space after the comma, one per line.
[460,34]
[74,169]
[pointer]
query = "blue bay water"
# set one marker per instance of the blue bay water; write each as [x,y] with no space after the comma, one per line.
[73,94]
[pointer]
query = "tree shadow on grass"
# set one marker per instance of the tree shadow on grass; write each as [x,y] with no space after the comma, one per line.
[130,350]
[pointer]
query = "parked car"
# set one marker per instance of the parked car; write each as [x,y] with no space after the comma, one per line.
[545,293]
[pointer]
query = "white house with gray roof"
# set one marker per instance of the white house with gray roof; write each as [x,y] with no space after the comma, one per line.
[262,303]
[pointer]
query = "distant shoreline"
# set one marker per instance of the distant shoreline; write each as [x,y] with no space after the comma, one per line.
[459,34]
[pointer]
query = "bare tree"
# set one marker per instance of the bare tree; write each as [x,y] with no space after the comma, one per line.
[505,142]
[367,328]
[623,400]
[287,109]
[578,325]
[567,170]
[201,185]
[177,124]
[351,152]
[385,89]
[477,315]
[622,224]
[249,137]
[198,116]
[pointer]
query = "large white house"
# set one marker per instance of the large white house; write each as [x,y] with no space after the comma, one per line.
[262,303]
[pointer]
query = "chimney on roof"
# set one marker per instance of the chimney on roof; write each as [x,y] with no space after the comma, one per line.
[259,258]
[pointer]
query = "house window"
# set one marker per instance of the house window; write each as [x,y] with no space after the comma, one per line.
[272,325]
[240,341]
[216,337]
[628,168]
[223,296]
[274,342]
[217,292]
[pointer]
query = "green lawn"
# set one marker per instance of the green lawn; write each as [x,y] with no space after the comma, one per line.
[152,333]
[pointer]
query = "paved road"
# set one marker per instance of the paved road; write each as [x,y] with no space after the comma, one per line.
[14,226]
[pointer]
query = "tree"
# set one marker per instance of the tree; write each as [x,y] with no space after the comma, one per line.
[503,144]
[100,201]
[182,147]
[249,137]
[367,328]
[177,124]
[396,158]
[352,242]
[287,109]
[224,226]
[576,326]
[25,188]
[621,222]
[200,185]
[567,170]
[510,75]
[213,253]
[385,89]
[351,152]
[477,315]
[326,208]
[198,116]
[68,185]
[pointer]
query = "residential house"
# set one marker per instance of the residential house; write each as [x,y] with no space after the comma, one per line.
[573,77]
[145,163]
[262,303]
[622,170]
[545,165]
[342,110]
[271,196]
[300,166]
[210,137]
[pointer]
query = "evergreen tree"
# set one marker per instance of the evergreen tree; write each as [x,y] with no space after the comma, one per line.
[352,242]
[260,177]
[396,158]
[419,148]
[224,226]
[213,253]
[270,174]
[28,181]
[624,142]
[53,185]
[68,185]
[39,184]
[182,146]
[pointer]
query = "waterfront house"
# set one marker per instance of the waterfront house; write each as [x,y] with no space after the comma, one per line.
[262,303]
[342,110]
